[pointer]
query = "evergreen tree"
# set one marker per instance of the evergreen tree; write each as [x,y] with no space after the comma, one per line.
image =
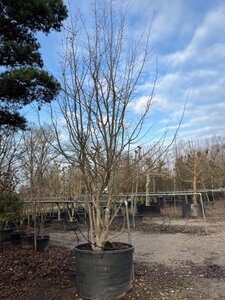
[23,80]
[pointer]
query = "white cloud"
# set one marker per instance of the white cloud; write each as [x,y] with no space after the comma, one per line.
[188,37]
[207,43]
[140,104]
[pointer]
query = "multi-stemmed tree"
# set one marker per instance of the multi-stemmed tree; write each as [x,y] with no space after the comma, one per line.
[100,74]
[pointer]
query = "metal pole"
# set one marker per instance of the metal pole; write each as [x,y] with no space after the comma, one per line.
[128,222]
[203,213]
[35,226]
[175,207]
[133,211]
[129,234]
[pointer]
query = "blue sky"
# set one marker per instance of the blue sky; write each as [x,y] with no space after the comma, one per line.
[188,41]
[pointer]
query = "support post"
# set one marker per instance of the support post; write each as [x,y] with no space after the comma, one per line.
[203,213]
[129,233]
[128,222]
[35,226]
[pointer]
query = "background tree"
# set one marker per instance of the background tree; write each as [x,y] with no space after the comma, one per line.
[192,165]
[10,152]
[38,160]
[156,171]
[23,80]
[216,163]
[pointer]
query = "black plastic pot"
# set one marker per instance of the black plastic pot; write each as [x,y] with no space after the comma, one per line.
[104,275]
[42,243]
[5,234]
[82,217]
[27,240]
[191,210]
[119,219]
[16,237]
[154,208]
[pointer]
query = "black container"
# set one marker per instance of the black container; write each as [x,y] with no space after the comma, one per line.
[16,237]
[5,234]
[119,219]
[42,243]
[104,275]
[81,216]
[153,208]
[27,240]
[191,210]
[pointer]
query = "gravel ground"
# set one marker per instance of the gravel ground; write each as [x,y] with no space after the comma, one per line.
[157,242]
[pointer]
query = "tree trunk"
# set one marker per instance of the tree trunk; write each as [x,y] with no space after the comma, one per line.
[147,187]
[194,187]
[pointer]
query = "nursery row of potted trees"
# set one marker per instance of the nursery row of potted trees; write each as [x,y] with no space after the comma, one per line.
[11,223]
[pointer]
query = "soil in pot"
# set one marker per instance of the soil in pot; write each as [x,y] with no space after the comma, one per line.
[104,274]
[42,243]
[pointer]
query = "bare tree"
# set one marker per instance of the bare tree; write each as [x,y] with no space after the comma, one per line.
[38,157]
[156,170]
[9,155]
[100,75]
[216,162]
[191,165]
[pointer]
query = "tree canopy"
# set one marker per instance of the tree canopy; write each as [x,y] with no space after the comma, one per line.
[23,80]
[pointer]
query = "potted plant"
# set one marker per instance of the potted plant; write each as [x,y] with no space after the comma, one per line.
[38,239]
[191,168]
[58,222]
[70,223]
[11,207]
[19,232]
[100,130]
[41,240]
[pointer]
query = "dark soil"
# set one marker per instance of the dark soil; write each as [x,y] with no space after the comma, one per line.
[25,274]
[108,246]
